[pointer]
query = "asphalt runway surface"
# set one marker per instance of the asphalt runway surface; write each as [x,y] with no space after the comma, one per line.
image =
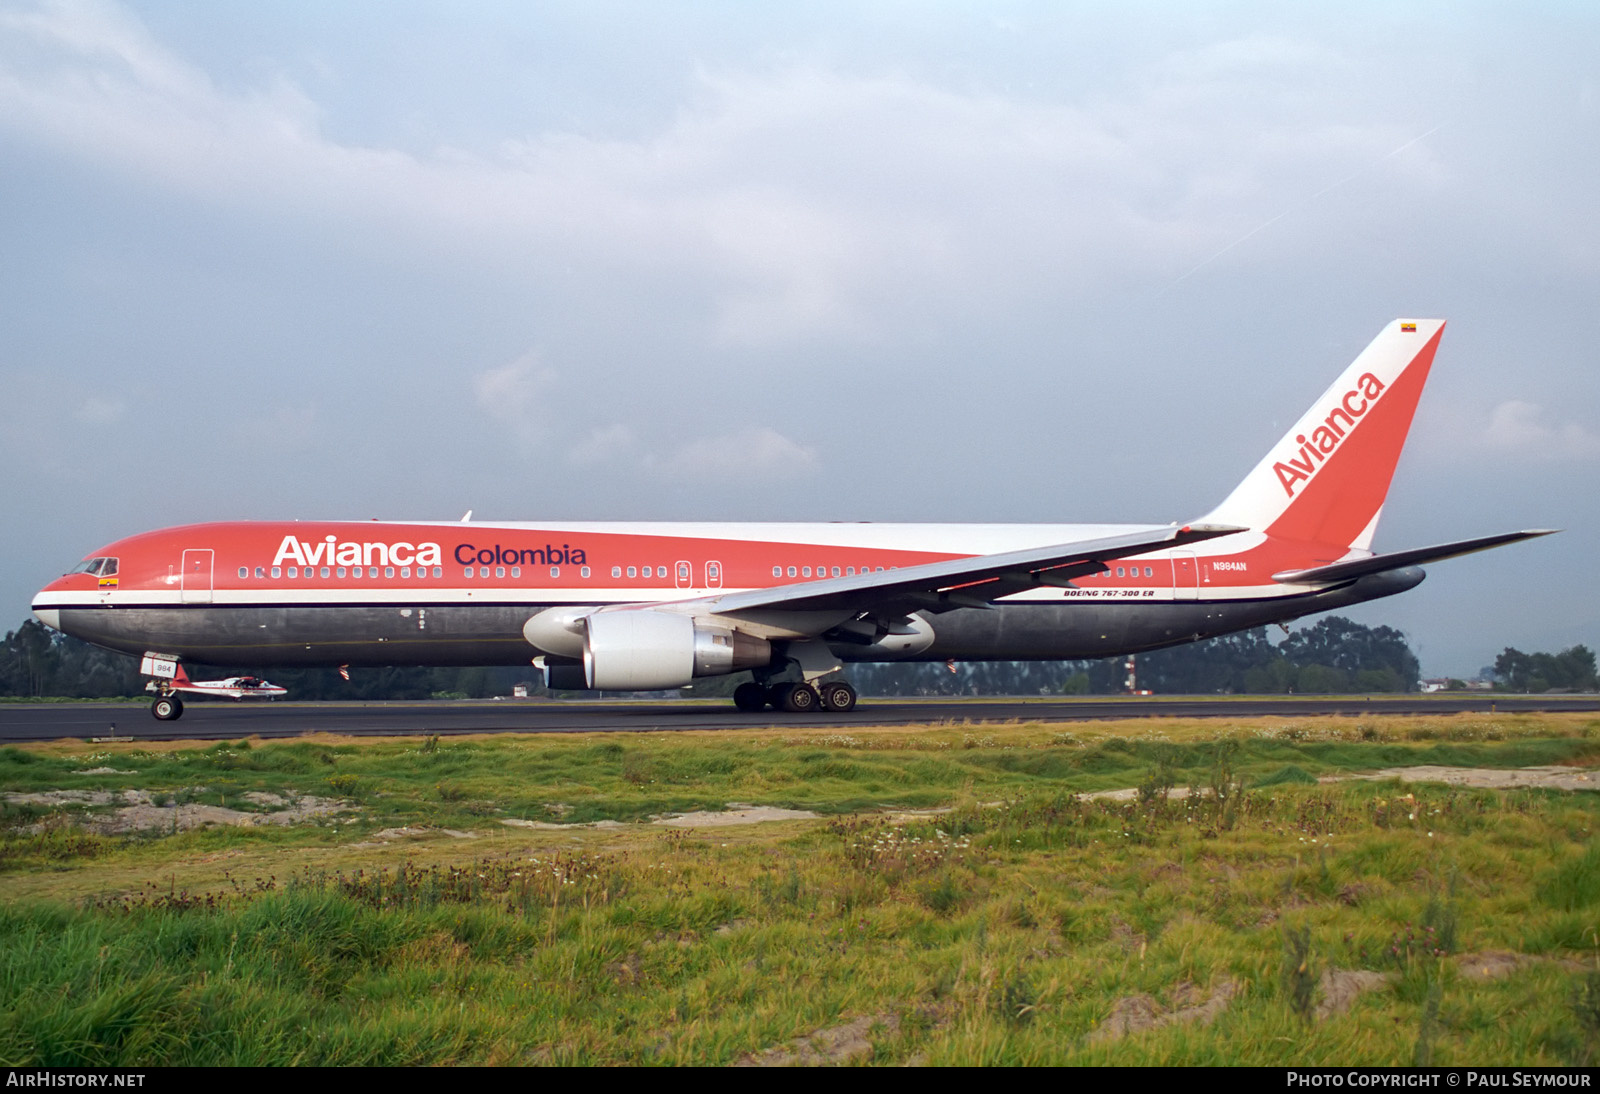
[224,721]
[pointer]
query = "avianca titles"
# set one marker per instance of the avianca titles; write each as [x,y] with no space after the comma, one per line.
[625,607]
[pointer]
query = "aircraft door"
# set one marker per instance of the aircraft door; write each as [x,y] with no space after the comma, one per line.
[196,585]
[1185,576]
[713,575]
[684,575]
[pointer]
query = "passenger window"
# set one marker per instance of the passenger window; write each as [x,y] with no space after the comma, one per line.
[277,571]
[244,572]
[683,571]
[616,571]
[516,571]
[633,571]
[555,571]
[341,571]
[849,571]
[805,571]
[499,571]
[1119,571]
[438,571]
[483,571]
[836,571]
[294,571]
[584,572]
[777,571]
[1148,572]
[388,571]
[356,573]
[791,571]
[325,572]
[405,571]
[468,572]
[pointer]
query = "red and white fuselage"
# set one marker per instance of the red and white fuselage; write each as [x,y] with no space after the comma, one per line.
[635,604]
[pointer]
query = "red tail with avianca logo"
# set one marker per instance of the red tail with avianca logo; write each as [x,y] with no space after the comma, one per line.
[639,607]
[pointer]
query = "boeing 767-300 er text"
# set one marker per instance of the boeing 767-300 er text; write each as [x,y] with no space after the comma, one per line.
[635,607]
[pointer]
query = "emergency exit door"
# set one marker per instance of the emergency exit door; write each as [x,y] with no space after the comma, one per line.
[196,586]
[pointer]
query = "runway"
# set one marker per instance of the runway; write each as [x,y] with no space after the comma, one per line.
[220,720]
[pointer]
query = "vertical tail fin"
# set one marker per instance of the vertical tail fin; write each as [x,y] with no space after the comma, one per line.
[1326,480]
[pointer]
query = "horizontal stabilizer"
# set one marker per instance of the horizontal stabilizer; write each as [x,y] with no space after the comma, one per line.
[1377,564]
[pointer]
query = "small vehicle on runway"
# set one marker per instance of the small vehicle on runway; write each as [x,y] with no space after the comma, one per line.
[168,704]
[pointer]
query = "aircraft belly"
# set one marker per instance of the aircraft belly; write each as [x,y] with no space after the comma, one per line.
[491,634]
[1051,632]
[263,637]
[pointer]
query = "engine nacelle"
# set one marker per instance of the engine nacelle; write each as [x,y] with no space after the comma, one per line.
[907,639]
[648,650]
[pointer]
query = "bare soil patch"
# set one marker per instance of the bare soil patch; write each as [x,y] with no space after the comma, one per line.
[1498,964]
[747,814]
[412,831]
[1489,778]
[1549,777]
[842,1044]
[136,810]
[1137,1013]
[1341,987]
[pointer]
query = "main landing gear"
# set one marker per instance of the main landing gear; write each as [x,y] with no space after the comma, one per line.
[167,708]
[834,696]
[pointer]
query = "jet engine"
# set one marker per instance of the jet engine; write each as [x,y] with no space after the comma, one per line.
[644,650]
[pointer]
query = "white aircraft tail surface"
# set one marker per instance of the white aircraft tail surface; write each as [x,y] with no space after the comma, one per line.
[1326,480]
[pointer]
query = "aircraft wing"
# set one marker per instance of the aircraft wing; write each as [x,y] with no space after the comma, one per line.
[964,582]
[1360,567]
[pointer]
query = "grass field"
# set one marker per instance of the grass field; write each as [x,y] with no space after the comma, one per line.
[957,900]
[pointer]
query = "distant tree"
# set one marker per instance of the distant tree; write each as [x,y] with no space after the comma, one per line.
[1349,648]
[1221,664]
[1573,669]
[1332,655]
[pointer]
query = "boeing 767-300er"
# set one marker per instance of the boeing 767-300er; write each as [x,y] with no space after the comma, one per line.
[635,607]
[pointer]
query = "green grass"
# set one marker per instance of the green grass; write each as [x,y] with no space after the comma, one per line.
[1003,931]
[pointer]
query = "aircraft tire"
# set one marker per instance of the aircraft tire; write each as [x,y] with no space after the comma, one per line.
[168,708]
[838,697]
[750,697]
[800,698]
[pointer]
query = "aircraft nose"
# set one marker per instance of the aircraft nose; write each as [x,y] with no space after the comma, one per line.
[50,617]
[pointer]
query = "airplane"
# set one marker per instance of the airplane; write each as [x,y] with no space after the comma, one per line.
[172,682]
[650,606]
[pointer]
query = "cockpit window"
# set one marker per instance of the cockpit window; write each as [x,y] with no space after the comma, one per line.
[109,569]
[88,566]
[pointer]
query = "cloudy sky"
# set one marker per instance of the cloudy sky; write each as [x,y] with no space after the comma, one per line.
[894,261]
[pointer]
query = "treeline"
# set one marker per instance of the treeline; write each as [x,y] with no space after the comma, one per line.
[36,662]
[1333,656]
[1572,669]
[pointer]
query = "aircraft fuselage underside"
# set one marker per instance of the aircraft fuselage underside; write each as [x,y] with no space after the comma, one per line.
[492,634]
